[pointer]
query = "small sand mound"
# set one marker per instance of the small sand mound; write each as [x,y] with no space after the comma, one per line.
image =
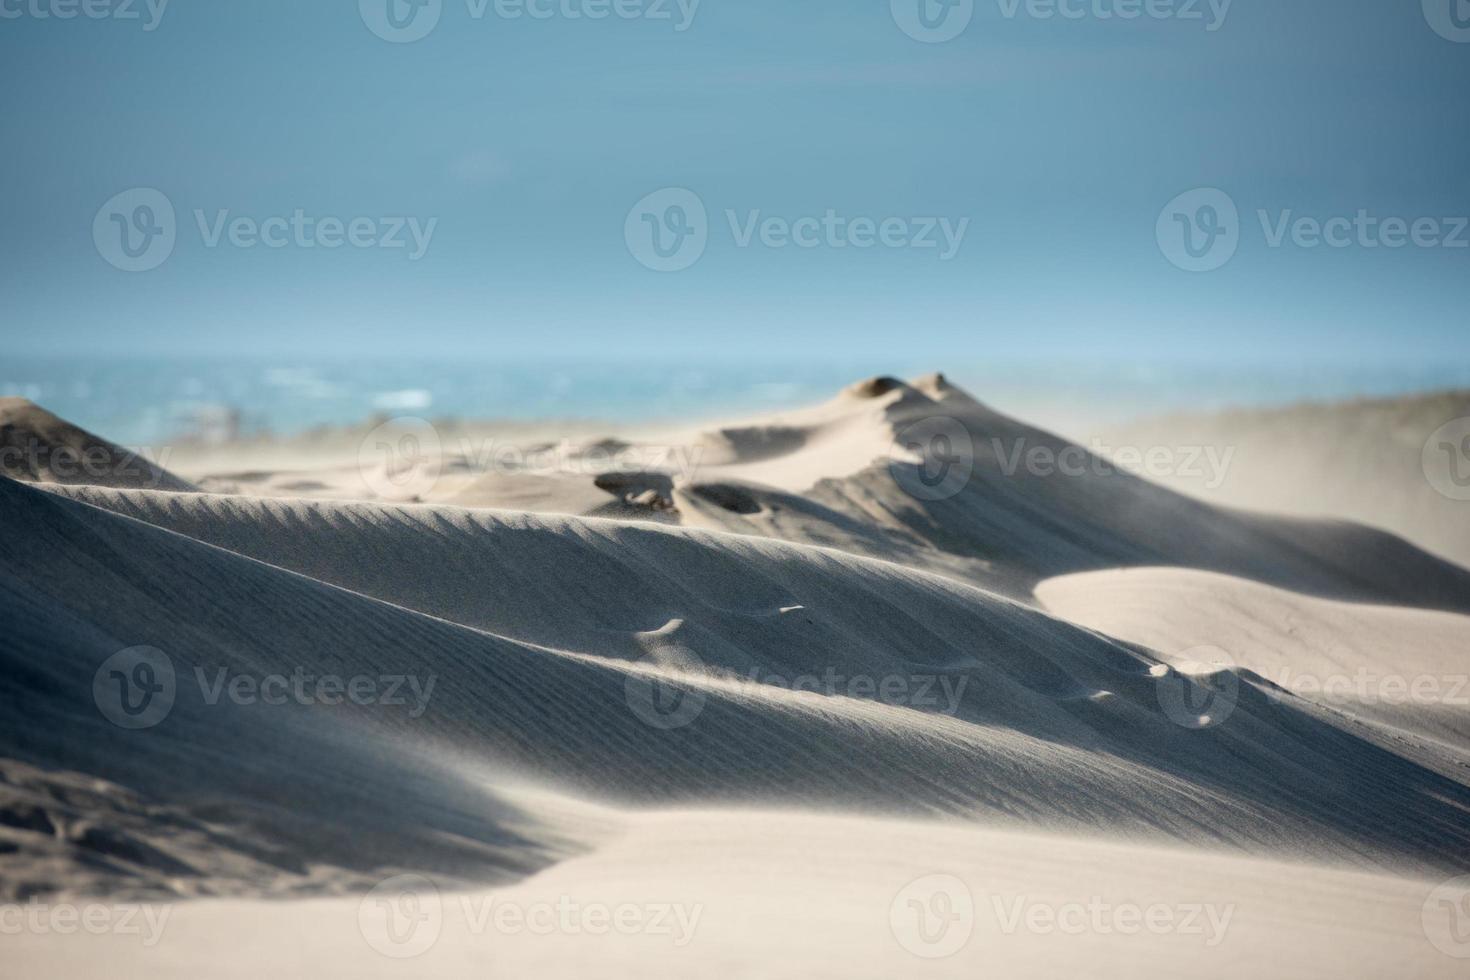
[729,496]
[38,447]
[934,385]
[651,490]
[874,387]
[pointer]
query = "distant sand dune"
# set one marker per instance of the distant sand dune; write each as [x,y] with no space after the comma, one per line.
[1362,460]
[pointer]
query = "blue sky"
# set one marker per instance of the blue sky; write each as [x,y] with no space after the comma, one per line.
[1059,140]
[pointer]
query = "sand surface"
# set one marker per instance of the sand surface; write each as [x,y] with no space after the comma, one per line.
[892,686]
[1402,464]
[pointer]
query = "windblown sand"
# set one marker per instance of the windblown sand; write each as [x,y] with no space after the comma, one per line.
[843,692]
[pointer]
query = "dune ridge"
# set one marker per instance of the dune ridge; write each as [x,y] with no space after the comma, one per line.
[37,446]
[1005,668]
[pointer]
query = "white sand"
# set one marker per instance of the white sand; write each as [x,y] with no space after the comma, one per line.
[776,678]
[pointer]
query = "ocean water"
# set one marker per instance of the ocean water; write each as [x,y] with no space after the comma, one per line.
[141,401]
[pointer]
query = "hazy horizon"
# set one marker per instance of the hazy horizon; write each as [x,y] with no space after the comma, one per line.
[137,399]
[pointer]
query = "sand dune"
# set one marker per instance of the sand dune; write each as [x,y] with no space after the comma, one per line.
[1404,667]
[813,667]
[1395,463]
[1088,719]
[39,447]
[926,475]
[1062,512]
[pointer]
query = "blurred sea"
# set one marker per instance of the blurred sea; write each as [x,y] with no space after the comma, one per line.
[139,401]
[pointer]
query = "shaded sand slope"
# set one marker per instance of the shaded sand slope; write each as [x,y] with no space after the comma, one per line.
[1055,727]
[786,895]
[37,446]
[1029,505]
[1409,668]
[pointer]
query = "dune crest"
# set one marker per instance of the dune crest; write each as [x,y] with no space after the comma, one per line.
[38,447]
